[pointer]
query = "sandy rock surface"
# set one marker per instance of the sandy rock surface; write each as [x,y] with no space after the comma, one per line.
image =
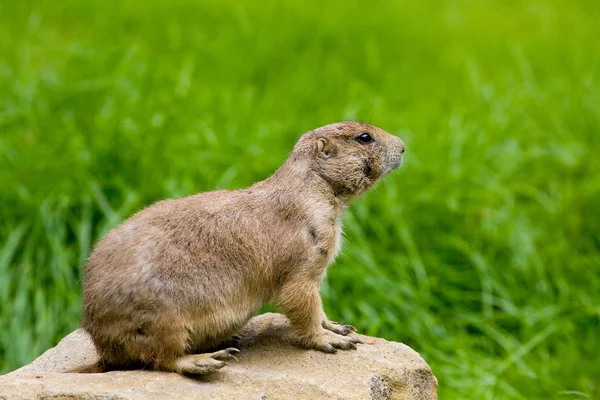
[269,367]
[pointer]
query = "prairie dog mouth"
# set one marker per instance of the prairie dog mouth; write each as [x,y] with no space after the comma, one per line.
[397,162]
[394,161]
[394,155]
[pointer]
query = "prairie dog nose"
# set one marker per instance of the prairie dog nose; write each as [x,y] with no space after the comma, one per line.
[401,146]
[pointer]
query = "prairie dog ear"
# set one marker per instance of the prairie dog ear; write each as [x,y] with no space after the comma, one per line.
[325,148]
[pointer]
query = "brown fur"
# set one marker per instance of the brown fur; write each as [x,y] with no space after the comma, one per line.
[182,276]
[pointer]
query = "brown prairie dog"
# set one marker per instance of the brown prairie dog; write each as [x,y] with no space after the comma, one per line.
[182,276]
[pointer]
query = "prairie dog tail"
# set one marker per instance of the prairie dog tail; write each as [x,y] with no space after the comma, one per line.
[94,368]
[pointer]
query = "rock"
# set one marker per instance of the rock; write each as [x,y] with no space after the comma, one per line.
[270,367]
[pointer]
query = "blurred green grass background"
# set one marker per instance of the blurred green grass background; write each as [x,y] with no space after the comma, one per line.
[482,253]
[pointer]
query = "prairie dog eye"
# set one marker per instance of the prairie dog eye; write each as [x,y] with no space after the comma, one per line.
[364,138]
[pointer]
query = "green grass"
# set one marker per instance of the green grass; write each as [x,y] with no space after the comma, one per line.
[482,253]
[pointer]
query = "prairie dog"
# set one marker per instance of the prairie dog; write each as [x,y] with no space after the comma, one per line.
[180,277]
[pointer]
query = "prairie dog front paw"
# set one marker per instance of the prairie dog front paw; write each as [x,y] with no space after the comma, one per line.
[338,327]
[330,342]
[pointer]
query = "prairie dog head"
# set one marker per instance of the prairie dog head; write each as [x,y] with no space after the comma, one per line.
[351,156]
